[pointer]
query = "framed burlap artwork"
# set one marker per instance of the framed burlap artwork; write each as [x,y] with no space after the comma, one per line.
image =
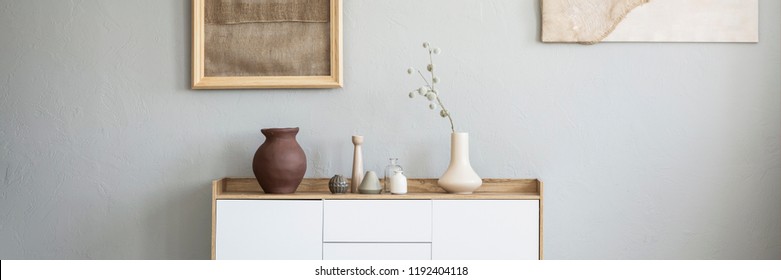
[267,44]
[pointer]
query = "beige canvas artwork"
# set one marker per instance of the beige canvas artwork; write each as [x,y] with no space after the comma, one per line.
[592,21]
[267,38]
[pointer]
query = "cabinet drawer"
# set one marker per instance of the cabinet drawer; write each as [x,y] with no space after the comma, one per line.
[486,230]
[377,221]
[269,230]
[377,251]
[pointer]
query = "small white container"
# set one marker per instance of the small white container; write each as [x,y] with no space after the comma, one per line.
[398,182]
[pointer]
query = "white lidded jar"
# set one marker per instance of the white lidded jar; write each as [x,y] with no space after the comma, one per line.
[398,182]
[389,171]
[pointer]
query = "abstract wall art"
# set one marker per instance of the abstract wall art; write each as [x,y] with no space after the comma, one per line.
[593,21]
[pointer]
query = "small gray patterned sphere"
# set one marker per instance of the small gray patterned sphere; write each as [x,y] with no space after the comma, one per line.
[338,184]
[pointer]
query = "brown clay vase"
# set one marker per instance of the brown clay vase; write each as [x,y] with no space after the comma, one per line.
[279,163]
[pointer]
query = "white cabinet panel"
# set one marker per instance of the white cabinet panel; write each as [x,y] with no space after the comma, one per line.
[377,251]
[485,229]
[377,221]
[269,229]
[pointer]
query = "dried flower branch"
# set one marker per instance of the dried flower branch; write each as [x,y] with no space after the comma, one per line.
[428,89]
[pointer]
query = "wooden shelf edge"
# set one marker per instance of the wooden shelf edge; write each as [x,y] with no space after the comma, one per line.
[350,196]
[217,189]
[317,188]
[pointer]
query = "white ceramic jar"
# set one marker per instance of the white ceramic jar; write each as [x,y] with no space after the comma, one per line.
[398,182]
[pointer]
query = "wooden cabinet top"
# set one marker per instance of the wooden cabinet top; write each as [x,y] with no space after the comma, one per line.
[317,188]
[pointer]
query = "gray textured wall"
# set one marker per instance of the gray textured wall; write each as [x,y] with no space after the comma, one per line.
[648,150]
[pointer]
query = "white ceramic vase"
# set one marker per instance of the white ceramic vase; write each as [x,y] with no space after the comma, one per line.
[459,178]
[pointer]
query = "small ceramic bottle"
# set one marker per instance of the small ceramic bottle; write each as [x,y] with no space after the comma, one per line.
[398,183]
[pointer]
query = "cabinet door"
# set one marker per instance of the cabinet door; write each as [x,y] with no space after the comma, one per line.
[377,251]
[485,229]
[269,229]
[377,221]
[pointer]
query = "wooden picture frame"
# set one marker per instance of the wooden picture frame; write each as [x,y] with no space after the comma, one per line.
[201,81]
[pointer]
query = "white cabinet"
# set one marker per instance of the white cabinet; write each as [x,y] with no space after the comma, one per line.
[269,229]
[502,222]
[485,229]
[377,251]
